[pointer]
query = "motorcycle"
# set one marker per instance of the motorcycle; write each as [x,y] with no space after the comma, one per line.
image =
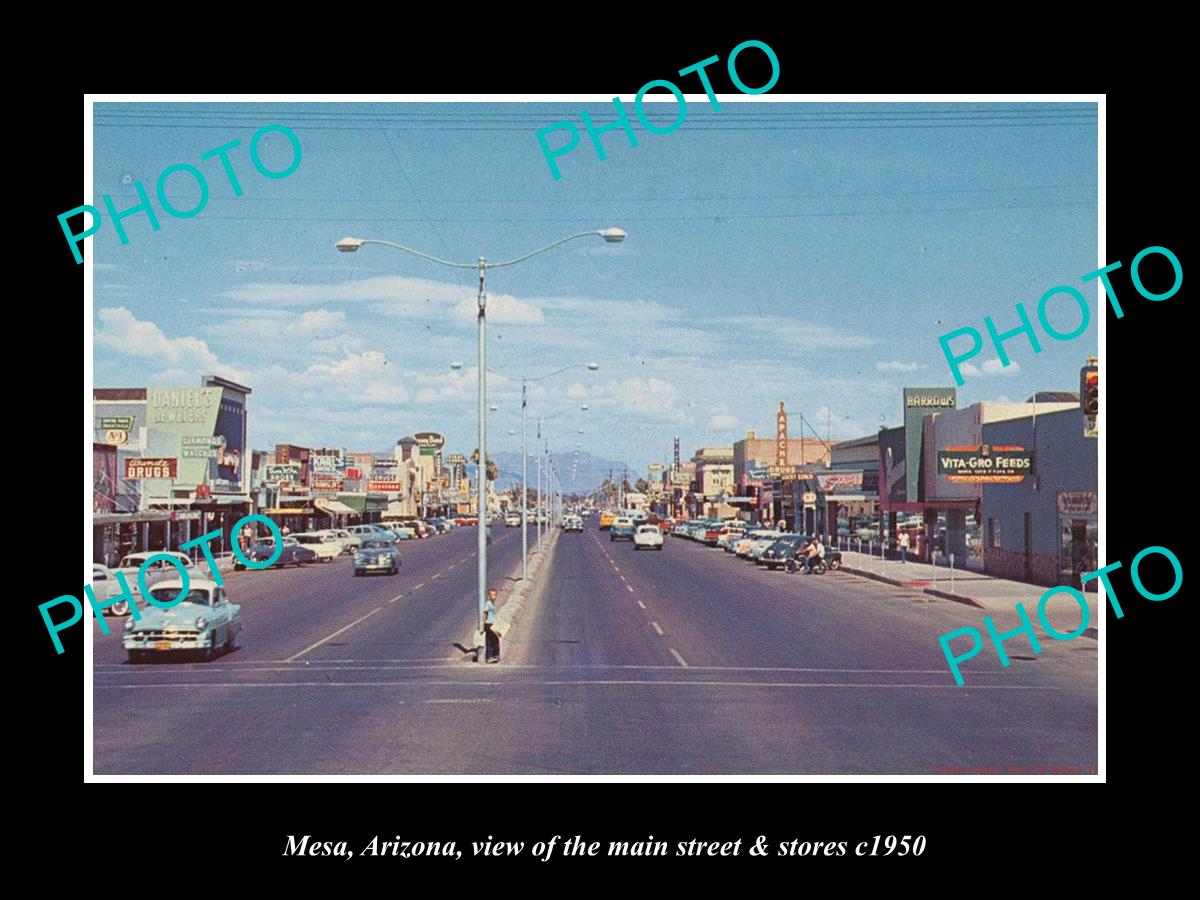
[820,567]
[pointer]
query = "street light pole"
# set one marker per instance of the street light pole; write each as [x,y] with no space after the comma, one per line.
[482,464]
[352,244]
[524,491]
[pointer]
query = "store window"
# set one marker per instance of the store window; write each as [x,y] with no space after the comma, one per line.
[1077,544]
[994,533]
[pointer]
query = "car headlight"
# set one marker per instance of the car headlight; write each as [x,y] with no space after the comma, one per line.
[129,623]
[201,623]
[385,558]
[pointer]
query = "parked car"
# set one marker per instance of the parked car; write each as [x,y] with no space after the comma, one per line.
[572,523]
[377,554]
[513,519]
[105,585]
[732,533]
[204,620]
[777,555]
[622,529]
[290,554]
[741,547]
[348,541]
[648,536]
[157,570]
[326,547]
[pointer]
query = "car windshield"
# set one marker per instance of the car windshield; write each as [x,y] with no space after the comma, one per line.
[309,539]
[167,594]
[377,545]
[648,529]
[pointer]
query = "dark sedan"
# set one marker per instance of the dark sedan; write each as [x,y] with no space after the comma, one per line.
[292,553]
[777,555]
[377,555]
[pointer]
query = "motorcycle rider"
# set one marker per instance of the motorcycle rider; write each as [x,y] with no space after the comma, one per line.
[814,552]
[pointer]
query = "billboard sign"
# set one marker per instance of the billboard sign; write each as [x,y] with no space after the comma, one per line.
[151,467]
[324,464]
[380,485]
[985,464]
[1077,503]
[429,440]
[918,403]
[282,473]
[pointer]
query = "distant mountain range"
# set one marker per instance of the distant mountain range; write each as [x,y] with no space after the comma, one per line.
[588,471]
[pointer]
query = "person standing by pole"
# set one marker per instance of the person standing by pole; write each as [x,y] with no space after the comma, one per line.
[903,541]
[491,636]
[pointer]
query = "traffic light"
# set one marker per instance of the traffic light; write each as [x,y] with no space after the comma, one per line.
[1089,390]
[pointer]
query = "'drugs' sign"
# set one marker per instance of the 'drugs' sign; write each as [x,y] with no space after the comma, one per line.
[985,464]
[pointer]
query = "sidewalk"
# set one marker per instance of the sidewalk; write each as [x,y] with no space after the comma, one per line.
[993,595]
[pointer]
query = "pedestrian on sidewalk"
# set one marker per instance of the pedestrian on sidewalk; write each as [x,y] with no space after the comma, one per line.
[491,635]
[904,546]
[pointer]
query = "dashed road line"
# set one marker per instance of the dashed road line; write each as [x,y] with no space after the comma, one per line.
[682,661]
[656,627]
[295,656]
[628,588]
[956,690]
[438,575]
[641,604]
[416,587]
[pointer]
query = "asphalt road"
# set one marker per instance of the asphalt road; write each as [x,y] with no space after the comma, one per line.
[680,662]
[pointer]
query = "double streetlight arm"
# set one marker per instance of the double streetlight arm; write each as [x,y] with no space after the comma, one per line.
[351,244]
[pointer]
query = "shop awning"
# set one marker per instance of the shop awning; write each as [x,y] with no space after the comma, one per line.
[336,507]
[288,511]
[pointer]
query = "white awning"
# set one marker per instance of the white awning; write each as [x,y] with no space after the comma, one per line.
[336,507]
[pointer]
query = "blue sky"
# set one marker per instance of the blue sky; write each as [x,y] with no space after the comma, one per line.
[810,253]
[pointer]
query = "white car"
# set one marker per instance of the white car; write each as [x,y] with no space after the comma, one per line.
[572,523]
[105,585]
[648,536]
[325,545]
[157,570]
[348,541]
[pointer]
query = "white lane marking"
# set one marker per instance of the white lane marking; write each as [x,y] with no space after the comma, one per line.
[641,604]
[954,688]
[417,587]
[628,588]
[654,625]
[296,656]
[682,661]
[438,575]
[615,566]
[394,599]
[452,565]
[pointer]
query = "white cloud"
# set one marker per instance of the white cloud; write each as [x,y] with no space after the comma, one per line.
[724,422]
[122,332]
[501,310]
[989,367]
[321,323]
[897,366]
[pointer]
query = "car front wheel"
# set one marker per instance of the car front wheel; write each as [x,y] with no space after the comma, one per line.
[120,608]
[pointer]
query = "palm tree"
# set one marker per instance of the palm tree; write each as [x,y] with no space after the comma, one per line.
[493,471]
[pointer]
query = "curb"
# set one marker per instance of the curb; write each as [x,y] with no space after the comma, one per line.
[513,601]
[896,582]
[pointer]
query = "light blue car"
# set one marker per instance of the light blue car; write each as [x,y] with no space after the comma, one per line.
[205,620]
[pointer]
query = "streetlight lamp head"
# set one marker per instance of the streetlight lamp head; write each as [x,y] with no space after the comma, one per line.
[456,365]
[493,407]
[593,366]
[350,244]
[584,407]
[581,431]
[613,235]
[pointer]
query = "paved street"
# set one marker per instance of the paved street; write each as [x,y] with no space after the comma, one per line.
[682,661]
